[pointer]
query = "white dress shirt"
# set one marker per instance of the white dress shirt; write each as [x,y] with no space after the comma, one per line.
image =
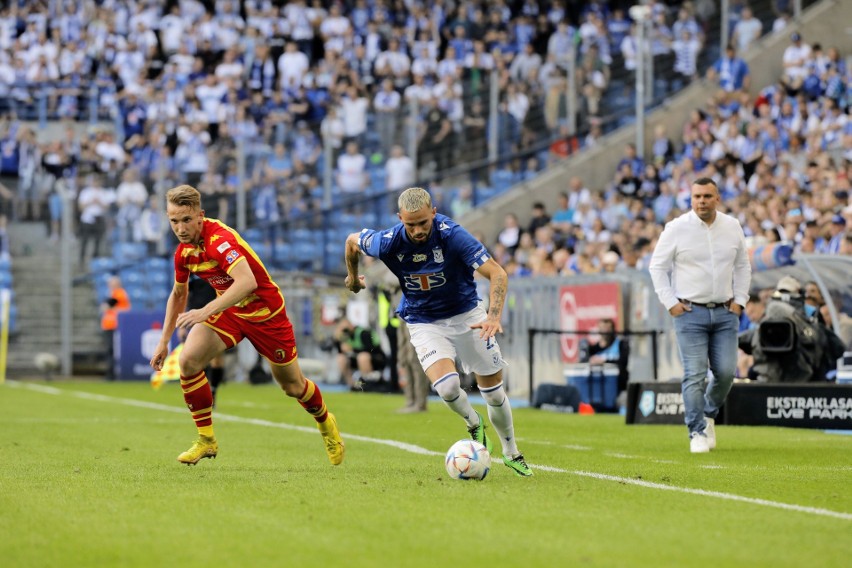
[701,263]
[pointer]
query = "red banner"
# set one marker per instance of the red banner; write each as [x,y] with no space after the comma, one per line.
[581,308]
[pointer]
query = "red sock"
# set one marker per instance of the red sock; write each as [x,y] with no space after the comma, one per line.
[199,400]
[311,400]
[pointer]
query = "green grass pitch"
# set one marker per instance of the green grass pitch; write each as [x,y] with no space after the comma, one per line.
[88,478]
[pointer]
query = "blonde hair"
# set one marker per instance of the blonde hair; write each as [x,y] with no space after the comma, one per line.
[414,199]
[184,196]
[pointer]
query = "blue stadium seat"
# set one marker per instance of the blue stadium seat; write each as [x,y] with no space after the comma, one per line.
[502,180]
[307,251]
[123,252]
[158,264]
[102,264]
[5,263]
[138,295]
[5,279]
[483,194]
[252,234]
[132,276]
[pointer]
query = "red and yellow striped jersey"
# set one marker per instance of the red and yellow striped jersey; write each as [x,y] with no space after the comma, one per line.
[221,248]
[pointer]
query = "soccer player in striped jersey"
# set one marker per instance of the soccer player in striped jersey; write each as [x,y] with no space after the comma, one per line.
[248,305]
[434,259]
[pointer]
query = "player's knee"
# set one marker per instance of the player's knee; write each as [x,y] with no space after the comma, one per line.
[189,364]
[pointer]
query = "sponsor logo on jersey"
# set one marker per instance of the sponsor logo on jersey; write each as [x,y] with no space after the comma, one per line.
[223,247]
[438,254]
[419,258]
[214,238]
[425,282]
[388,235]
[443,226]
[220,280]
[400,257]
[232,256]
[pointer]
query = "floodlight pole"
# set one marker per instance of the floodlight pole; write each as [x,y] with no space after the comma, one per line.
[571,85]
[640,89]
[66,256]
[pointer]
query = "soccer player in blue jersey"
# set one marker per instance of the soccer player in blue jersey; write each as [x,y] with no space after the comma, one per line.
[434,259]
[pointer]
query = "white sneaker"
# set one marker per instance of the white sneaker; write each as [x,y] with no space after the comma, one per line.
[698,444]
[710,432]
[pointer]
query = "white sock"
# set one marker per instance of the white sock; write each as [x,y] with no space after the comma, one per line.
[449,389]
[500,414]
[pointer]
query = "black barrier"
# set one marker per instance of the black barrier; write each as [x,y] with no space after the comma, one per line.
[532,332]
[824,406]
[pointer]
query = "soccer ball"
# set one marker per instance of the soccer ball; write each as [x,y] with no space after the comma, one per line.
[468,459]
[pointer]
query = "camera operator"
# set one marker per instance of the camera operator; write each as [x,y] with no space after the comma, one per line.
[787,345]
[358,349]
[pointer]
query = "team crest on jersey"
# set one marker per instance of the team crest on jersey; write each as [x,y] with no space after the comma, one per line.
[438,254]
[419,258]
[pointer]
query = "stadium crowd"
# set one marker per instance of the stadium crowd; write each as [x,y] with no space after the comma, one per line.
[189,83]
[782,160]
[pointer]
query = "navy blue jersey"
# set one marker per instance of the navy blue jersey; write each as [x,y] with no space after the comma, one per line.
[436,277]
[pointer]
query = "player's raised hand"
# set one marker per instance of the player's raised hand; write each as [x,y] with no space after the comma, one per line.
[355,284]
[488,328]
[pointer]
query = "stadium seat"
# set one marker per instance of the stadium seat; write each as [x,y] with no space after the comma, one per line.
[503,180]
[252,234]
[102,264]
[158,264]
[123,252]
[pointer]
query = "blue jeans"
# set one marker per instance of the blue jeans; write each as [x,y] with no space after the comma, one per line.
[706,336]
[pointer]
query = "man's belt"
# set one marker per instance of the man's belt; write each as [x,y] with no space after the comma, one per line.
[708,305]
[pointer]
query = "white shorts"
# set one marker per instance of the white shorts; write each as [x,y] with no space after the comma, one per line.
[452,338]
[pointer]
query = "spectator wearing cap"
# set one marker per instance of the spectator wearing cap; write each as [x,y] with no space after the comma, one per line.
[838,233]
[795,60]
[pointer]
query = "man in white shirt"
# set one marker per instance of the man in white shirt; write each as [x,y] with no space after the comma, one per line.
[746,31]
[352,170]
[795,61]
[130,197]
[701,274]
[399,170]
[386,105]
[292,66]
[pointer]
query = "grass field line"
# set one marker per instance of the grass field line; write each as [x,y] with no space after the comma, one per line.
[423,451]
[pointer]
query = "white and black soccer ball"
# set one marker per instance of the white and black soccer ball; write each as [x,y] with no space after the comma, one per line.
[468,459]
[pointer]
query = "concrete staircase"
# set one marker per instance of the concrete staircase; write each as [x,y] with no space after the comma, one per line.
[36,281]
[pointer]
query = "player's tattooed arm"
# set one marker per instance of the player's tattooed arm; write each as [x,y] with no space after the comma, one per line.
[354,282]
[497,298]
[499,285]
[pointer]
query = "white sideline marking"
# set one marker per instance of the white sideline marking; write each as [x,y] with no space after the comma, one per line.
[423,451]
